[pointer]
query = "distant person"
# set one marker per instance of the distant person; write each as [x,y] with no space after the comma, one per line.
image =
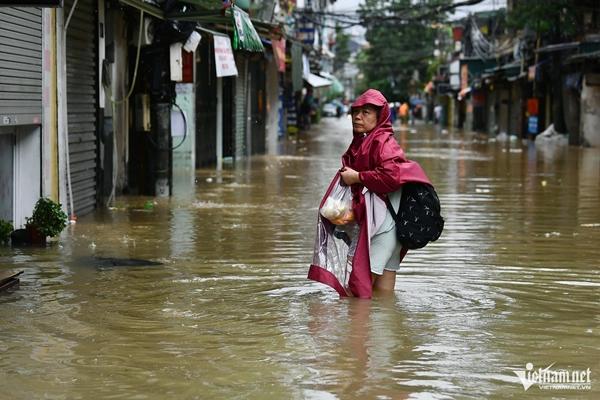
[437,113]
[415,113]
[403,111]
[307,109]
[393,113]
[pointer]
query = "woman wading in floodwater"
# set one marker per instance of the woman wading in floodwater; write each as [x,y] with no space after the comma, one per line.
[362,255]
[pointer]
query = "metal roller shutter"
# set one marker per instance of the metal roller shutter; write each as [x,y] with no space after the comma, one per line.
[20,66]
[82,103]
[240,107]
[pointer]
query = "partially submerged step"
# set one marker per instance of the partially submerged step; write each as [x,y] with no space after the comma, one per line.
[108,262]
[9,279]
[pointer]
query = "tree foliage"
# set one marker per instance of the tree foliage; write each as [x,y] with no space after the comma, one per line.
[342,49]
[557,18]
[397,59]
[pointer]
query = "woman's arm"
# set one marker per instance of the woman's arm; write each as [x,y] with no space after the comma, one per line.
[350,176]
[385,176]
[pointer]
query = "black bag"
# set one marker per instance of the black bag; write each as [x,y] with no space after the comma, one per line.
[418,221]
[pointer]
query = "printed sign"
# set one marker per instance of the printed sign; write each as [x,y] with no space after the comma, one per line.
[532,126]
[279,51]
[239,24]
[224,61]
[531,73]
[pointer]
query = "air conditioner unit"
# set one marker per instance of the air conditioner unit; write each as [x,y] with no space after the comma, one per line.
[147,33]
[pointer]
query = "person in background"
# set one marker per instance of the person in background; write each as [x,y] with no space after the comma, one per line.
[437,113]
[393,113]
[403,111]
[307,108]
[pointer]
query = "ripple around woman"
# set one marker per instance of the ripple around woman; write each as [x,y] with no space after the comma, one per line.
[374,166]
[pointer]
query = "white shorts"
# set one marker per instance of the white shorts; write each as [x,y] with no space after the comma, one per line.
[385,248]
[385,252]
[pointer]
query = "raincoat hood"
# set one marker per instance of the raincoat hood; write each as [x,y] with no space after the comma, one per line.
[375,98]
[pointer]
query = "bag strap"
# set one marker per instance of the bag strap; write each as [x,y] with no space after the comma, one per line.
[390,208]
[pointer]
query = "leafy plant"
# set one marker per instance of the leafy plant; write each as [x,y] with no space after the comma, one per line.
[48,217]
[342,49]
[557,18]
[6,229]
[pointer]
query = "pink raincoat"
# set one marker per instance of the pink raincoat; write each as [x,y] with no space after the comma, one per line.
[383,169]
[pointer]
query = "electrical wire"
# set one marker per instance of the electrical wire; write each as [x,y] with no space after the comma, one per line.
[394,14]
[185,124]
[137,60]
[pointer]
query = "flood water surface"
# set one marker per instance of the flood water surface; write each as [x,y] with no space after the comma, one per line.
[228,312]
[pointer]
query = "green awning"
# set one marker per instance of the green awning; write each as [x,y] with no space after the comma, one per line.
[478,66]
[336,89]
[245,36]
[205,4]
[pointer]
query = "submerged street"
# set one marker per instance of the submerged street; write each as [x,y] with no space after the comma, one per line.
[229,313]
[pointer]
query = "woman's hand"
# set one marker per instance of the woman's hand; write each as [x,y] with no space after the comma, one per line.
[349,176]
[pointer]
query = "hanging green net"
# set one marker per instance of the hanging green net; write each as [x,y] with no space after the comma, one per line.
[245,36]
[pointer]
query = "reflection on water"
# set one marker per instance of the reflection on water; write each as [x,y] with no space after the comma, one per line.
[229,314]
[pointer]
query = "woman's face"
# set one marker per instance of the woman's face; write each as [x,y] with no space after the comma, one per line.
[364,118]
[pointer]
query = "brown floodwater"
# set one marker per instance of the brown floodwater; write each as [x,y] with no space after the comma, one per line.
[229,314]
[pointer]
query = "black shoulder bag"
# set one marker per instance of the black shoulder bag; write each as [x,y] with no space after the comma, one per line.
[418,220]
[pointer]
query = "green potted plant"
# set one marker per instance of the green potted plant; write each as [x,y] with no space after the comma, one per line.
[48,219]
[6,229]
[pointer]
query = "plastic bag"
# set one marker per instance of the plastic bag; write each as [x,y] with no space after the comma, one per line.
[338,206]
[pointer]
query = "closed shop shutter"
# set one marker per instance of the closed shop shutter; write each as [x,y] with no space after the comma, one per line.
[257,71]
[240,107]
[20,66]
[82,103]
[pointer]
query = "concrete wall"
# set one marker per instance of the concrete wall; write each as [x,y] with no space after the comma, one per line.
[272,100]
[571,113]
[20,174]
[515,122]
[503,109]
[50,179]
[590,113]
[468,125]
[7,140]
[28,177]
[184,138]
[119,89]
[491,108]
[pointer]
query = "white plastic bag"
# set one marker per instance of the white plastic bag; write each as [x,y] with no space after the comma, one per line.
[338,206]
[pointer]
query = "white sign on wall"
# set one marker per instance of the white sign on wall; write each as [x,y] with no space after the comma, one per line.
[455,74]
[224,61]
